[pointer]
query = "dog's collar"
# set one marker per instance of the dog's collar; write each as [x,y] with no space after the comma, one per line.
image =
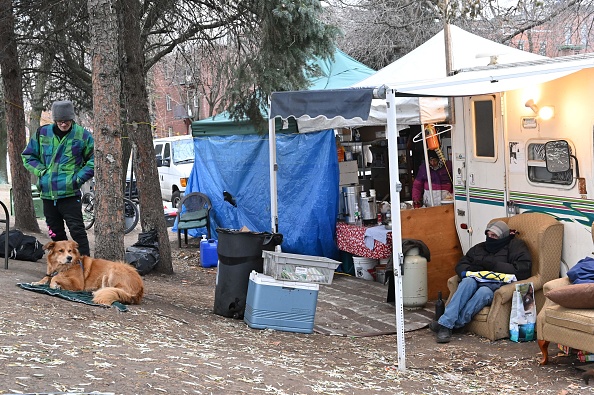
[54,273]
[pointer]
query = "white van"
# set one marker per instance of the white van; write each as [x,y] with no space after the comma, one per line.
[175,159]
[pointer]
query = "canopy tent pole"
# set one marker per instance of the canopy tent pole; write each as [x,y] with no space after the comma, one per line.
[397,257]
[273,180]
[427,169]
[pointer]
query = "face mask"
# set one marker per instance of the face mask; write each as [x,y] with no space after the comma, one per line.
[494,245]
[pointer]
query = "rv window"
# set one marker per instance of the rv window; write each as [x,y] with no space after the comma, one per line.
[537,167]
[484,130]
[557,156]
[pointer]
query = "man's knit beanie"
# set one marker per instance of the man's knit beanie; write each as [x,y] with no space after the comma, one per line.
[63,111]
[500,228]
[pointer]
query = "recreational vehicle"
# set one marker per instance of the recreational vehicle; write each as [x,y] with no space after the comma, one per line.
[527,150]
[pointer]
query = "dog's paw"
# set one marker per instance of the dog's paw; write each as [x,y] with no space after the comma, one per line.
[55,286]
[40,282]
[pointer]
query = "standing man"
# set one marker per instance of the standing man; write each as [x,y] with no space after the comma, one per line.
[61,155]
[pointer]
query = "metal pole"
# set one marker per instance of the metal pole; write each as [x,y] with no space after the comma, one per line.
[273,181]
[427,169]
[398,258]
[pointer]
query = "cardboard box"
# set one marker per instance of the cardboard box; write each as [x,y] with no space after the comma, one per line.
[281,305]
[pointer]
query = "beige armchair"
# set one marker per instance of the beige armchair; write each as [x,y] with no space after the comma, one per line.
[570,327]
[544,236]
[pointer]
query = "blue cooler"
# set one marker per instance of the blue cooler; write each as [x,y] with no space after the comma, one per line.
[281,305]
[208,253]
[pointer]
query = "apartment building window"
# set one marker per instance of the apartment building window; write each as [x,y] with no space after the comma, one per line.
[584,36]
[521,45]
[542,48]
[168,102]
[193,99]
[567,34]
[170,131]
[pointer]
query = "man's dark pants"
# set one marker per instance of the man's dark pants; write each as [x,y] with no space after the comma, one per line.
[67,210]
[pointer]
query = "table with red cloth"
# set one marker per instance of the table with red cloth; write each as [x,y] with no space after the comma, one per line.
[351,238]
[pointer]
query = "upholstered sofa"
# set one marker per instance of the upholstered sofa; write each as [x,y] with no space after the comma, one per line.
[572,325]
[544,236]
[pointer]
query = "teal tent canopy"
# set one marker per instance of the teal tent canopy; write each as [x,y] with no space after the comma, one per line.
[340,72]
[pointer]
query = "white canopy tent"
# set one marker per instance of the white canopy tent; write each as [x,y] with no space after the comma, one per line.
[478,81]
[426,62]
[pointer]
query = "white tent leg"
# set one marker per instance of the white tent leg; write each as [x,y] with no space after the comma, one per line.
[395,188]
[273,170]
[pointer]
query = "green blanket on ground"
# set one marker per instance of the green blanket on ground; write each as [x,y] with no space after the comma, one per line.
[75,296]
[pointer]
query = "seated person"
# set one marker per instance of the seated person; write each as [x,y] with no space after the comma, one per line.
[441,182]
[501,253]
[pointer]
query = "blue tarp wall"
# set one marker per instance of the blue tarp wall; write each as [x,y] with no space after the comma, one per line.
[307,181]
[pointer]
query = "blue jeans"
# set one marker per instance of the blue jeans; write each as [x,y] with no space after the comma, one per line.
[470,297]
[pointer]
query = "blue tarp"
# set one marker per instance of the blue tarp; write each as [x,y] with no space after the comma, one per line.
[307,183]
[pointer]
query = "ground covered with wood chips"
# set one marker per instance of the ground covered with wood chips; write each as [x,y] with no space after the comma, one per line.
[173,344]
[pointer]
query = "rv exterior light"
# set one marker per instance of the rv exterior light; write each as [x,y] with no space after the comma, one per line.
[546,113]
[530,104]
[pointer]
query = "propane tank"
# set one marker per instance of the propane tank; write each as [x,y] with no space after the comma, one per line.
[414,280]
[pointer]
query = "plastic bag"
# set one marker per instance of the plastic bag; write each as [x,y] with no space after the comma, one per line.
[148,239]
[144,254]
[522,319]
[144,259]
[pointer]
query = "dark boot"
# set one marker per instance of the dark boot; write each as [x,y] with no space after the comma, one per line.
[444,335]
[434,326]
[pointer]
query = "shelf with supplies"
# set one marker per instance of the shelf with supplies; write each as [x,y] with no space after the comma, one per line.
[355,150]
[373,165]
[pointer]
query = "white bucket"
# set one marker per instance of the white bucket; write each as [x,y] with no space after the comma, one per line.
[365,268]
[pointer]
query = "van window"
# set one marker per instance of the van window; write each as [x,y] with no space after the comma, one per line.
[537,167]
[183,151]
[158,149]
[166,151]
[483,113]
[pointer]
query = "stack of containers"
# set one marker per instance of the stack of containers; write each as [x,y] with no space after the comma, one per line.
[285,297]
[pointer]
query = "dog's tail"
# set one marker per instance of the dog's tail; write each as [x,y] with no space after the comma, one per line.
[109,295]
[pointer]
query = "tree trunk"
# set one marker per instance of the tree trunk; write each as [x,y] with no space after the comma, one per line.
[136,102]
[15,121]
[39,91]
[3,137]
[109,206]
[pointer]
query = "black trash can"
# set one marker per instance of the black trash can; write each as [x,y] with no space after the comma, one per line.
[239,253]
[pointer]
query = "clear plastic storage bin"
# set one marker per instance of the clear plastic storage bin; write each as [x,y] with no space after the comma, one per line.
[300,268]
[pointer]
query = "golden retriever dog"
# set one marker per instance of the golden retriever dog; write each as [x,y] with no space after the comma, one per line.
[109,281]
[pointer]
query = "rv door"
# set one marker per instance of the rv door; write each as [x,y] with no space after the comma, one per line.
[484,169]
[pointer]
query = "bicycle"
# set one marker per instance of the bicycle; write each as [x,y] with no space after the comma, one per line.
[131,213]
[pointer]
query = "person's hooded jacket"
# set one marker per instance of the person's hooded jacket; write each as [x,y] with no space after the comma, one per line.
[62,166]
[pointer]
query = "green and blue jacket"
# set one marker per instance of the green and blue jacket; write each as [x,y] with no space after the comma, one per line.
[62,166]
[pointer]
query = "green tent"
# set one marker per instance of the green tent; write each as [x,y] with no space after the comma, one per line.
[341,72]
